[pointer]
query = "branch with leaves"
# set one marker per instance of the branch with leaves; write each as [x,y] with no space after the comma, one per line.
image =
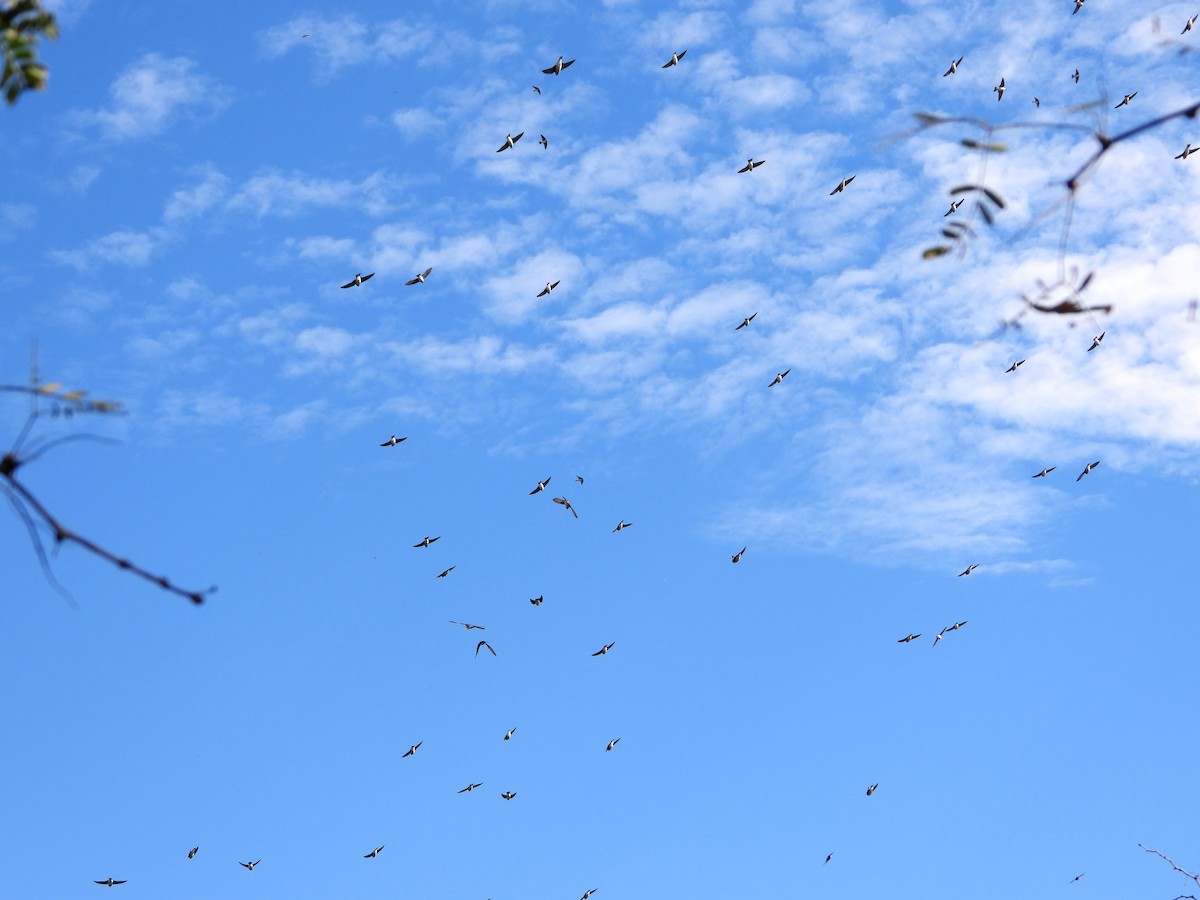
[33,512]
[22,23]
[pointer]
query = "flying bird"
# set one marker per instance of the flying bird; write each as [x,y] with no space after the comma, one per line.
[957,625]
[779,376]
[467,625]
[675,58]
[1014,366]
[358,280]
[751,165]
[1096,341]
[1044,472]
[566,504]
[938,637]
[250,866]
[541,486]
[1125,100]
[908,639]
[1087,469]
[549,287]
[509,141]
[1188,27]
[1188,151]
[612,744]
[413,749]
[1076,878]
[111,882]
[428,540]
[545,143]
[587,894]
[508,734]
[827,859]
[871,789]
[508,795]
[999,91]
[603,650]
[448,571]
[536,601]
[1075,75]
[192,853]
[746,321]
[1037,102]
[842,185]
[469,788]
[737,557]
[968,570]
[481,645]
[393,441]
[579,478]
[536,89]
[620,525]
[953,67]
[557,67]
[954,205]
[1078,6]
[374,853]
[420,279]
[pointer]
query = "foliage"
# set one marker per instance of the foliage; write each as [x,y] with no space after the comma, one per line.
[22,22]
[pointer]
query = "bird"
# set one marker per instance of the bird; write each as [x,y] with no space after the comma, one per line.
[536,601]
[828,858]
[603,650]
[467,625]
[481,645]
[953,66]
[620,525]
[469,788]
[1037,102]
[1096,341]
[909,638]
[675,58]
[420,279]
[1125,100]
[968,570]
[1087,470]
[508,795]
[871,789]
[541,486]
[1078,6]
[428,540]
[842,185]
[545,143]
[1075,75]
[448,571]
[612,744]
[557,67]
[1188,151]
[508,734]
[413,749]
[549,287]
[779,376]
[938,637]
[192,853]
[587,894]
[393,441]
[1190,23]
[1044,472]
[746,321]
[250,866]
[374,853]
[1076,878]
[737,557]
[999,90]
[957,625]
[111,882]
[751,165]
[358,280]
[579,478]
[536,89]
[566,504]
[954,205]
[1016,365]
[509,141]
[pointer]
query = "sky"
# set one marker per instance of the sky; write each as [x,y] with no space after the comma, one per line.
[184,203]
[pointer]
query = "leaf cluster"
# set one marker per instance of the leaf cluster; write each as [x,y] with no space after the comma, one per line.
[22,23]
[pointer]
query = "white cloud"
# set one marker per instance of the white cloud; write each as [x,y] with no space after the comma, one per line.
[16,217]
[126,247]
[188,203]
[274,193]
[152,92]
[347,40]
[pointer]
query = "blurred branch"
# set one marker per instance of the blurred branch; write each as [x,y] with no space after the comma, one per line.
[22,22]
[1195,876]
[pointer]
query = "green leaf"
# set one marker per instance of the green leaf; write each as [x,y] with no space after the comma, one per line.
[935,252]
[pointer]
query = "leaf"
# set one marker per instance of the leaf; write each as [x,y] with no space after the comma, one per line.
[1086,281]
[74,396]
[935,252]
[927,119]
[49,388]
[994,197]
[988,215]
[965,189]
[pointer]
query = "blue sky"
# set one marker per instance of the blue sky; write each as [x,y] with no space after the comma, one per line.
[185,201]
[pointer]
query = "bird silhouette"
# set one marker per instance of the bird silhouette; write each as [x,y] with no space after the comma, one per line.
[419,279]
[1044,472]
[909,638]
[737,557]
[192,853]
[549,287]
[447,571]
[557,67]
[469,788]
[374,853]
[999,91]
[779,376]
[953,66]
[467,625]
[604,650]
[427,541]
[612,744]
[357,280]
[968,570]
[111,882]
[871,789]
[566,504]
[393,441]
[413,749]
[1087,470]
[250,866]
[674,60]
[510,141]
[751,165]
[842,185]
[1014,366]
[481,645]
[541,486]
[746,321]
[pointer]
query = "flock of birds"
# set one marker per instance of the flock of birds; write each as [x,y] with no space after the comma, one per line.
[751,164]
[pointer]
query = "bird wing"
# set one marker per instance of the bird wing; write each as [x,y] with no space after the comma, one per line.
[745,168]
[344,286]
